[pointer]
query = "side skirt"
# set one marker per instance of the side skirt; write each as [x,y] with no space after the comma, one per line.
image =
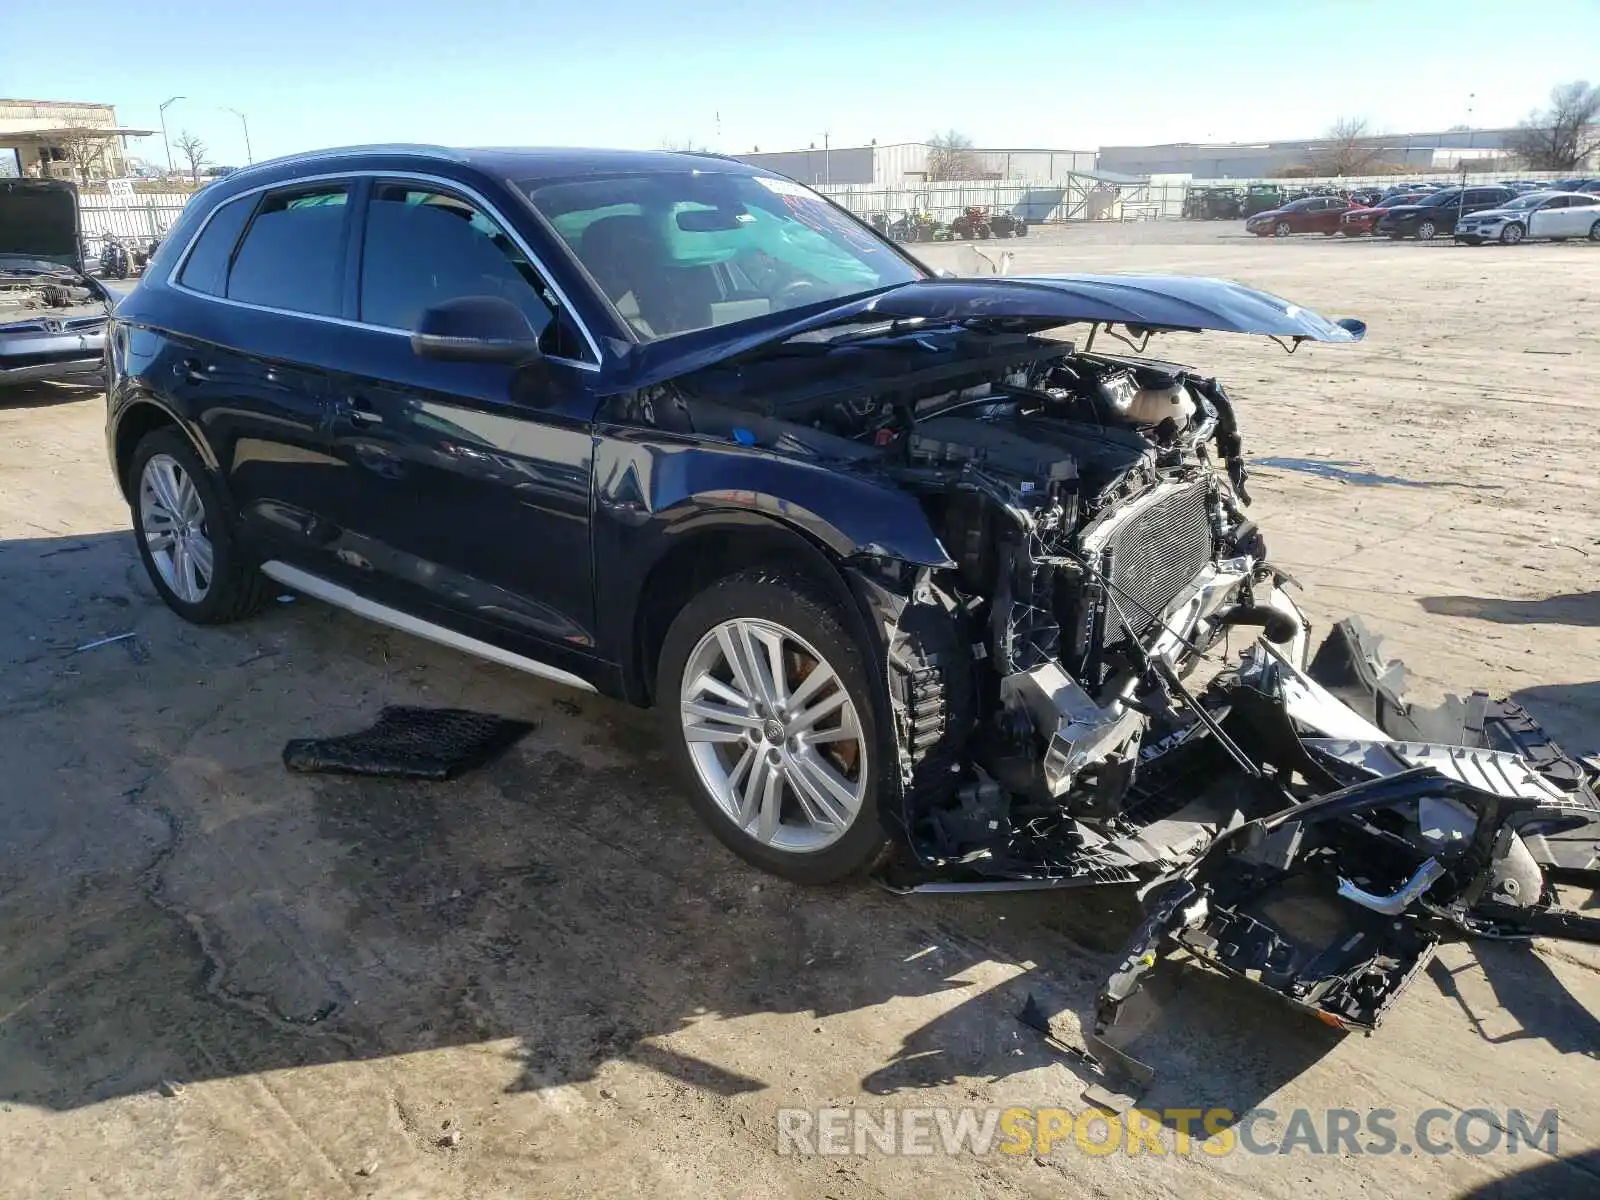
[342,597]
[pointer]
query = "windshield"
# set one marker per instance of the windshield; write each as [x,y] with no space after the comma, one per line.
[1453,196]
[1531,200]
[679,251]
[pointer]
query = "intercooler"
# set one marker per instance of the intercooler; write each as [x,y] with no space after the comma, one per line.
[1151,551]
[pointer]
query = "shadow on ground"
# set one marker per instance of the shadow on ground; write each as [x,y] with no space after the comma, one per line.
[1552,1179]
[174,905]
[47,394]
[1572,608]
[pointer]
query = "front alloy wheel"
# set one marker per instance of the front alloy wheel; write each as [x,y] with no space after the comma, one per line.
[1282,229]
[1426,231]
[1511,234]
[774,736]
[1594,232]
[766,705]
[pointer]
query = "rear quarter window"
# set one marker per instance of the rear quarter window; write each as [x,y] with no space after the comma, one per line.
[292,256]
[207,267]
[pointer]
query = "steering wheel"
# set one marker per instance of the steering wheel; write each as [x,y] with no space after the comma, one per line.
[797,292]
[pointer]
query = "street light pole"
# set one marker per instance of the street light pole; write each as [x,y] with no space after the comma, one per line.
[248,157]
[164,141]
[827,159]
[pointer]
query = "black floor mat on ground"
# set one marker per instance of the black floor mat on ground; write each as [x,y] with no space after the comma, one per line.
[409,743]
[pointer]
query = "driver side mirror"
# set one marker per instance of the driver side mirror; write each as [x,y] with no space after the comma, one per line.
[487,329]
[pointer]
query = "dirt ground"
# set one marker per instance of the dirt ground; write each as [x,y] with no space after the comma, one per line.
[217,978]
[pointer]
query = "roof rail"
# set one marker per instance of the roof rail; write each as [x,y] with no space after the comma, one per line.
[313,156]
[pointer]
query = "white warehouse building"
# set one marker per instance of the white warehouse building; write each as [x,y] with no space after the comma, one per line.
[907,163]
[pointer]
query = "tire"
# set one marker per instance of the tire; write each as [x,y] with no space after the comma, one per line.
[1594,232]
[1329,232]
[1397,237]
[233,588]
[1512,234]
[1281,229]
[1470,241]
[1427,231]
[1022,231]
[757,764]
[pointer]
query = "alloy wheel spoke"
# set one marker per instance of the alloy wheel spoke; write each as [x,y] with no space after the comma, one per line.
[847,730]
[807,718]
[771,805]
[731,718]
[821,675]
[822,805]
[188,498]
[200,552]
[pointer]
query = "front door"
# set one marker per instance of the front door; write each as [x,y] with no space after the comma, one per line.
[464,496]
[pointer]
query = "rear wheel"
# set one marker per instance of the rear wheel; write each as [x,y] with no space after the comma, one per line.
[1512,234]
[185,534]
[767,708]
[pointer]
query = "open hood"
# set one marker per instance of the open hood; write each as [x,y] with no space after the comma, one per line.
[39,223]
[1040,302]
[1155,302]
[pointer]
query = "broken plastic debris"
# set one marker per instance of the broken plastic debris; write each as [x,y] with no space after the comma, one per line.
[105,641]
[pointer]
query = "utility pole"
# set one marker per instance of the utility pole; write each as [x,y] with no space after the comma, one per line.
[164,141]
[248,157]
[827,160]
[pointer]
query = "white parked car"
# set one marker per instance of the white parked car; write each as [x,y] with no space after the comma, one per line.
[1554,215]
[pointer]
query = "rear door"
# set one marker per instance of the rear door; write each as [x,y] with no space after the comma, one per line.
[463,489]
[271,266]
[1582,215]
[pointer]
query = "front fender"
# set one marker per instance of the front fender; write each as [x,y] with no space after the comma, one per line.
[659,496]
[647,486]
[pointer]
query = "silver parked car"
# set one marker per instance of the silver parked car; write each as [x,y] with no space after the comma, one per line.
[1554,215]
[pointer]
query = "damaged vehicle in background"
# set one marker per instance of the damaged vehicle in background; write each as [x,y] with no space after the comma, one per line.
[914,583]
[52,312]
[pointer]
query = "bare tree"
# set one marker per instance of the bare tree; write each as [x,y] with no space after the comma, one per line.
[685,146]
[85,147]
[950,156]
[194,150]
[1351,149]
[1561,137]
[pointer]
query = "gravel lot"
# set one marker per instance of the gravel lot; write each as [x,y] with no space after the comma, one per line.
[220,979]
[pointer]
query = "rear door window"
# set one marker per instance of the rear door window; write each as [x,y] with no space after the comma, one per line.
[292,257]
[206,269]
[423,246]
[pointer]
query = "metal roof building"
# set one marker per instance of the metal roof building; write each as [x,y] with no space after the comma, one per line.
[907,163]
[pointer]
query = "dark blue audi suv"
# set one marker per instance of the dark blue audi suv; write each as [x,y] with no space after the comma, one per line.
[902,559]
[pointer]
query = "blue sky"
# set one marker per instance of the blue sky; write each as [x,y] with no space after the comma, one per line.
[629,73]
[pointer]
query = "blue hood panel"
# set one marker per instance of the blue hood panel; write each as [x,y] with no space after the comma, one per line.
[1160,302]
[1039,302]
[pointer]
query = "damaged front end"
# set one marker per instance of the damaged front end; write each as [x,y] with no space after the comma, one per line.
[1388,844]
[53,314]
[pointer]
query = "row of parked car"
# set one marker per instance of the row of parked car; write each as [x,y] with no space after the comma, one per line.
[1508,212]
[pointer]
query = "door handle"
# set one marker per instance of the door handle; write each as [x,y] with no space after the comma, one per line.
[360,413]
[190,370]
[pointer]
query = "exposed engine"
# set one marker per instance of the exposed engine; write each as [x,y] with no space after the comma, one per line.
[24,294]
[1099,550]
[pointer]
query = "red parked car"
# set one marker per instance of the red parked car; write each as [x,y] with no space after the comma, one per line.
[1314,214]
[1360,221]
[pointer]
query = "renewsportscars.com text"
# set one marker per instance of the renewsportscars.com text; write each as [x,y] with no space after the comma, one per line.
[1217,1132]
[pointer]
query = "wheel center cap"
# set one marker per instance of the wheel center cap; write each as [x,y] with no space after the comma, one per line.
[773,731]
